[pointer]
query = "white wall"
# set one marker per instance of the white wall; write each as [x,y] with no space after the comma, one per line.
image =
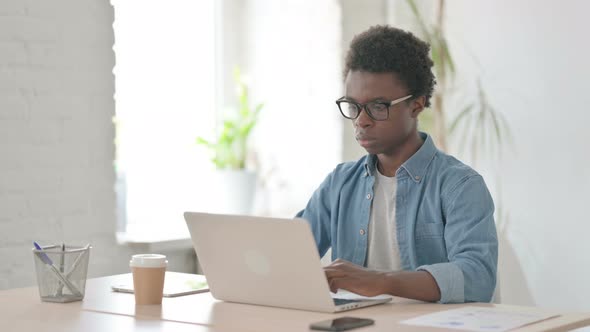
[535,60]
[56,134]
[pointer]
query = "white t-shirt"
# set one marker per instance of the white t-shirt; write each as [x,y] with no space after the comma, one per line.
[383,250]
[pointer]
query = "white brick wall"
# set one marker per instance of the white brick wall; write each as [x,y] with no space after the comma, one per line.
[56,133]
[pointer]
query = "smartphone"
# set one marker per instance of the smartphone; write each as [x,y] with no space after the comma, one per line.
[341,324]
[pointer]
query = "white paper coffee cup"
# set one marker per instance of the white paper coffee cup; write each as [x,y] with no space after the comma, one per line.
[149,271]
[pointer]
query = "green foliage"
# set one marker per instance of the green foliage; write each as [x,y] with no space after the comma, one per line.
[478,127]
[229,150]
[439,47]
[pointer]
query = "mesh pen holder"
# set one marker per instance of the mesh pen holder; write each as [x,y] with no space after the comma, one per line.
[61,274]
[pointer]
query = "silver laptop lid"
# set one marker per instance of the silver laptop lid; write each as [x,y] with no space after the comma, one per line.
[256,260]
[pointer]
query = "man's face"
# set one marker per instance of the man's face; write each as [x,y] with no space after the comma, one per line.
[387,136]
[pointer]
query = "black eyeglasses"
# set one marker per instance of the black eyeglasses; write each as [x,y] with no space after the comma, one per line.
[377,110]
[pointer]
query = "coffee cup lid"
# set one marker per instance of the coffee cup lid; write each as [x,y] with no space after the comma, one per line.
[148,260]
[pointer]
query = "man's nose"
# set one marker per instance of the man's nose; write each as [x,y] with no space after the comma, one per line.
[363,120]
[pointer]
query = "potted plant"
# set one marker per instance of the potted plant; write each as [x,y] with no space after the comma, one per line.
[229,151]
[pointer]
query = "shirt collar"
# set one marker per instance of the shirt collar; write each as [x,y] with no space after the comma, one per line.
[416,165]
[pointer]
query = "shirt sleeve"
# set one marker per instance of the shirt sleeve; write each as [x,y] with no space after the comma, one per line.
[318,215]
[471,242]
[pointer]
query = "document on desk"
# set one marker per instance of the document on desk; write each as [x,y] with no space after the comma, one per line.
[479,319]
[175,284]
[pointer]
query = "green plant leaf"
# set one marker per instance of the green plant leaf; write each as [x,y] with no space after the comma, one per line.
[421,23]
[245,130]
[229,149]
[244,104]
[434,51]
[257,109]
[450,63]
[203,141]
[464,113]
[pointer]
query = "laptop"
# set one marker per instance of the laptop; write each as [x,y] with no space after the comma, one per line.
[266,261]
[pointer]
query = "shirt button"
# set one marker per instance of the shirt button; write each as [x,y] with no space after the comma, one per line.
[368,196]
[362,231]
[417,177]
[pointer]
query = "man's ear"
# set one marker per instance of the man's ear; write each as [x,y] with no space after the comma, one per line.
[417,106]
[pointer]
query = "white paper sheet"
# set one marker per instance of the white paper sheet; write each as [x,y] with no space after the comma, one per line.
[479,319]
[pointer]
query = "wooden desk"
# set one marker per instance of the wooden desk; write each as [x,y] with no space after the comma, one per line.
[103,310]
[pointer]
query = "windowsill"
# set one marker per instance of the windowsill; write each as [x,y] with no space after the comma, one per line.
[155,241]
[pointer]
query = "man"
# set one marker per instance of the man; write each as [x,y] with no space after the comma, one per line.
[406,219]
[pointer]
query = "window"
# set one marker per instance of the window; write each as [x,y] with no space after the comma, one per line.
[165,97]
[169,71]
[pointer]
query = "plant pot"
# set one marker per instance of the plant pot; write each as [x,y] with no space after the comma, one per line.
[236,191]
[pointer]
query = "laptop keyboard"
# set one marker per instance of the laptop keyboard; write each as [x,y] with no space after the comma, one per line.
[344,301]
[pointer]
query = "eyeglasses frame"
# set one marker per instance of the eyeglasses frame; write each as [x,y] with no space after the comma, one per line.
[364,106]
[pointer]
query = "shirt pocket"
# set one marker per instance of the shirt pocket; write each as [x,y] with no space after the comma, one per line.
[430,243]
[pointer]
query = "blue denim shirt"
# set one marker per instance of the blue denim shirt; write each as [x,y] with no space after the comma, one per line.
[444,216]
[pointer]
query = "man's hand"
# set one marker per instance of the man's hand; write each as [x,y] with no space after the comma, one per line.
[418,285]
[342,274]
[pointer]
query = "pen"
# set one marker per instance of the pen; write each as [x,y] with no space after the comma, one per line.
[61,268]
[55,271]
[61,259]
